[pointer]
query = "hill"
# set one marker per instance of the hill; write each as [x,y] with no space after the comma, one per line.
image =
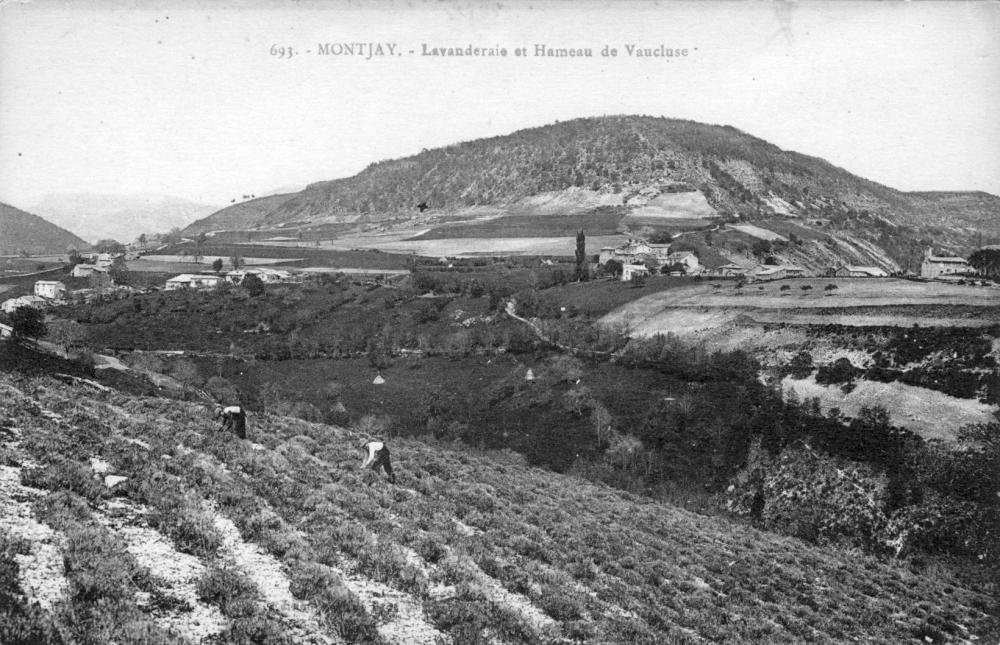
[244,215]
[575,166]
[192,534]
[120,217]
[21,231]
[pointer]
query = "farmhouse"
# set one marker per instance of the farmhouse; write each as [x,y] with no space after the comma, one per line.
[50,289]
[637,252]
[629,270]
[87,270]
[729,271]
[13,304]
[860,272]
[6,331]
[266,275]
[193,281]
[685,258]
[632,251]
[779,272]
[935,266]
[103,260]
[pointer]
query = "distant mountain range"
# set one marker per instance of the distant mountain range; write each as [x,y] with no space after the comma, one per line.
[738,174]
[119,217]
[24,232]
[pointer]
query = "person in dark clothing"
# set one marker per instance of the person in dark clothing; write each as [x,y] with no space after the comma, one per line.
[377,456]
[235,419]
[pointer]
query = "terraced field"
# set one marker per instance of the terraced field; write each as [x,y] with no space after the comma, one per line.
[858,302]
[132,520]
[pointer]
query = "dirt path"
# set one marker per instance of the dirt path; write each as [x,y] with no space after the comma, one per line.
[176,574]
[40,571]
[408,625]
[268,574]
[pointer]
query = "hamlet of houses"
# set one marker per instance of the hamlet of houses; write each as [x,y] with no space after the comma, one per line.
[211,281]
[639,257]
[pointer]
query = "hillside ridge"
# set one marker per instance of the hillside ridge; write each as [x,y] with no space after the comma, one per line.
[21,231]
[741,176]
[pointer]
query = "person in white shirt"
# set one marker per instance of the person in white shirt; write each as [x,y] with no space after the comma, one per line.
[377,456]
[235,419]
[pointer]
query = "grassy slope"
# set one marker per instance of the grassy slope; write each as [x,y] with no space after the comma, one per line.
[605,566]
[244,215]
[21,230]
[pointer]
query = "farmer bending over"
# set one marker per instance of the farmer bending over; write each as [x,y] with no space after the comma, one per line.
[235,419]
[377,456]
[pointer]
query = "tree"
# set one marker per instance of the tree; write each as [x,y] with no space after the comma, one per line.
[784,288]
[118,271]
[761,248]
[236,261]
[173,237]
[253,284]
[109,246]
[582,268]
[986,262]
[66,333]
[806,287]
[829,288]
[28,322]
[801,365]
[841,371]
[199,247]
[217,265]
[142,241]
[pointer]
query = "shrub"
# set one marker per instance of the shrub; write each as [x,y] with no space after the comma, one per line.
[228,588]
[191,527]
[841,371]
[253,284]
[801,365]
[65,475]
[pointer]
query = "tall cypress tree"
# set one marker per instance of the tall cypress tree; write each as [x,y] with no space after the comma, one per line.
[582,268]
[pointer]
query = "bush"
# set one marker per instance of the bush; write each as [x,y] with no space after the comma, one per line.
[841,371]
[801,365]
[229,589]
[186,522]
[65,475]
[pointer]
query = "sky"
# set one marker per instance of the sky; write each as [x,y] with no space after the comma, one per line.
[193,99]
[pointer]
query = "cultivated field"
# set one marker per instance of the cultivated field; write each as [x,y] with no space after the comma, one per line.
[758,232]
[705,306]
[932,415]
[473,246]
[281,539]
[180,263]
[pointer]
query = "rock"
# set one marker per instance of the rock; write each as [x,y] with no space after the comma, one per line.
[99,465]
[113,480]
[138,442]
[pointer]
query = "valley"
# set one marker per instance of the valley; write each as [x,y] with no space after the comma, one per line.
[644,380]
